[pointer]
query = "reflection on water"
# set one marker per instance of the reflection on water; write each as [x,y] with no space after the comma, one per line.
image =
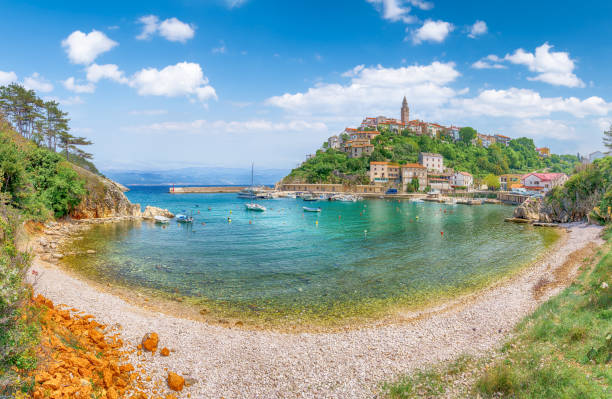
[358,258]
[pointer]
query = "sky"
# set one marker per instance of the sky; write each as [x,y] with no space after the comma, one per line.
[164,85]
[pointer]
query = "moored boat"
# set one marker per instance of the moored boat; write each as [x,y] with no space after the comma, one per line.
[184,219]
[307,209]
[161,219]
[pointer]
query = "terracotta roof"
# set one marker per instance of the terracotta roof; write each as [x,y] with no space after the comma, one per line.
[466,174]
[414,165]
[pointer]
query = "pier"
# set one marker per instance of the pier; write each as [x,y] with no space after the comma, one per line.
[511,198]
[205,190]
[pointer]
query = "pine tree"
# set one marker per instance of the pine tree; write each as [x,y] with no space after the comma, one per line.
[607,139]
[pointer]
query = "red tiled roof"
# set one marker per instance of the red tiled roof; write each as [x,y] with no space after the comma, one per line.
[545,176]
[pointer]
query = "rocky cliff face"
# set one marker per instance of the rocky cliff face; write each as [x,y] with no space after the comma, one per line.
[104,199]
[552,211]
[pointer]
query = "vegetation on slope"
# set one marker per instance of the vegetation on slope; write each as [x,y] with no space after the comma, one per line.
[587,193]
[36,183]
[519,157]
[18,329]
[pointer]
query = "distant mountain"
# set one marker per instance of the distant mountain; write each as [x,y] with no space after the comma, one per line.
[196,176]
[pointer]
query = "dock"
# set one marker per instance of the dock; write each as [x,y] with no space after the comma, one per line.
[206,190]
[511,198]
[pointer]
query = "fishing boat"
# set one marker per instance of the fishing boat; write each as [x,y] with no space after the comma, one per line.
[161,219]
[307,209]
[184,219]
[252,206]
[309,197]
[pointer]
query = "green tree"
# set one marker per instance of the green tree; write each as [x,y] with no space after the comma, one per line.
[467,134]
[492,182]
[607,139]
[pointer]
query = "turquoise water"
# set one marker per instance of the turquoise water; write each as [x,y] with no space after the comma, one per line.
[283,263]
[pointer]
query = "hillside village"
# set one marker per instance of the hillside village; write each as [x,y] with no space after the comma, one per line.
[430,171]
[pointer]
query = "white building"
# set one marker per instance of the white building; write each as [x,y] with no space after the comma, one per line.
[598,154]
[461,179]
[334,142]
[433,162]
[543,181]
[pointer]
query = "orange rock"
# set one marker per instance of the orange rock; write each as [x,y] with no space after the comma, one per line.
[111,393]
[108,378]
[165,352]
[126,368]
[175,381]
[150,341]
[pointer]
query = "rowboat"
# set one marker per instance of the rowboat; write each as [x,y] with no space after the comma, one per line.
[307,209]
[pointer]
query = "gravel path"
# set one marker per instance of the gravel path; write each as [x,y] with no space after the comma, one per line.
[235,363]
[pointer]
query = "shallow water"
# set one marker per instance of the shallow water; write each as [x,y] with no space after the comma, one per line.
[357,260]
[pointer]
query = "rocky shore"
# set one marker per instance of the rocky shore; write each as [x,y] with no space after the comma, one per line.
[231,362]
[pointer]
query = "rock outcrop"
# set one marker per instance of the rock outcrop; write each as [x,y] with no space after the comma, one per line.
[151,211]
[546,211]
[104,199]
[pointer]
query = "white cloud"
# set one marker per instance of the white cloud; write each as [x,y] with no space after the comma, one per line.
[545,128]
[150,23]
[7,77]
[84,48]
[96,72]
[37,83]
[182,79]
[149,112]
[479,28]
[172,29]
[220,126]
[221,49]
[235,3]
[395,10]
[71,85]
[489,62]
[555,67]
[74,100]
[176,31]
[432,31]
[525,103]
[373,90]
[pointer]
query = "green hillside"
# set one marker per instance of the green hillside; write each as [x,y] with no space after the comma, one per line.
[520,156]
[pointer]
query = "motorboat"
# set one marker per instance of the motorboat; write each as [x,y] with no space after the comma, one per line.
[255,207]
[307,209]
[184,219]
[161,219]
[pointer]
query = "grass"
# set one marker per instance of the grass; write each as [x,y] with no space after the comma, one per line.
[562,350]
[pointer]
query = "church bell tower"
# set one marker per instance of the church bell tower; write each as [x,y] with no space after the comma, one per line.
[405,111]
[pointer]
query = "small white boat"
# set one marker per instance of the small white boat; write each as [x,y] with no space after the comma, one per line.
[255,207]
[307,209]
[161,219]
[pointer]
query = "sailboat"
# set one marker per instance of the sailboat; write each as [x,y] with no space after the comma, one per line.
[252,206]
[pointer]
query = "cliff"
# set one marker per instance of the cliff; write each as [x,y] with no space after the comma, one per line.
[104,198]
[549,210]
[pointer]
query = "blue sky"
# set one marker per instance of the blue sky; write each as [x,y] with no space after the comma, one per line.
[227,82]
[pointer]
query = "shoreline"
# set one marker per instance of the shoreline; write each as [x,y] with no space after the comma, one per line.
[235,362]
[191,308]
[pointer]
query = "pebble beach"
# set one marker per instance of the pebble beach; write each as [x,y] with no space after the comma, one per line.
[231,362]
